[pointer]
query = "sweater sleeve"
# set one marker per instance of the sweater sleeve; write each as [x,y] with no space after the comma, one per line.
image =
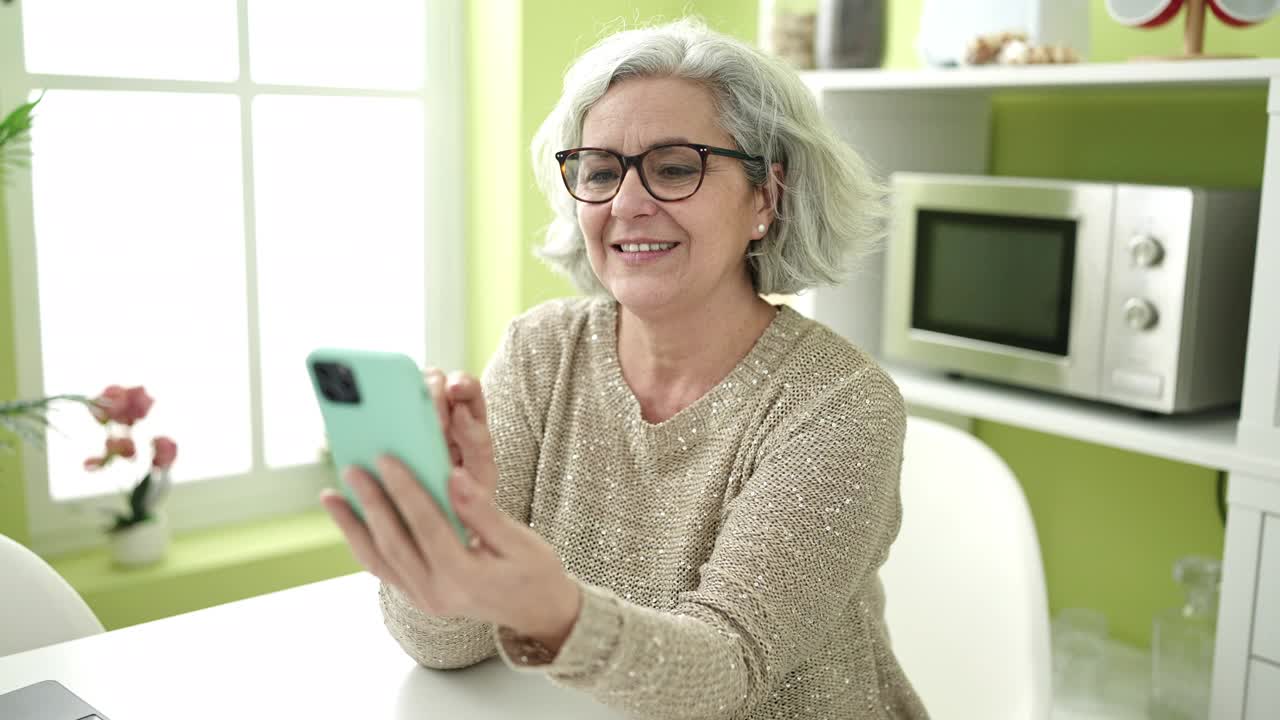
[808,531]
[460,642]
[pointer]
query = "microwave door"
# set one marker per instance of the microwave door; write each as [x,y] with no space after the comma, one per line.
[1004,284]
[1002,281]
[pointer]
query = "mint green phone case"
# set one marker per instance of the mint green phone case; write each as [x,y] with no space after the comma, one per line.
[391,413]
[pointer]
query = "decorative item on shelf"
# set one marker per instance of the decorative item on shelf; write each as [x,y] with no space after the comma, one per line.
[1154,13]
[1182,643]
[140,534]
[1050,31]
[1013,48]
[787,29]
[850,34]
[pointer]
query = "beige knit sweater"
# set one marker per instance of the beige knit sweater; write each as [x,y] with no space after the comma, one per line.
[728,556]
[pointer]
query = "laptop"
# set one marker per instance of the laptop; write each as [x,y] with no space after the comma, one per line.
[47,700]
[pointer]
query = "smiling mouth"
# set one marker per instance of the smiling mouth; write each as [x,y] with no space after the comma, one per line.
[643,247]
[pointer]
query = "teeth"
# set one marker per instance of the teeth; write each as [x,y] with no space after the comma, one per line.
[646,247]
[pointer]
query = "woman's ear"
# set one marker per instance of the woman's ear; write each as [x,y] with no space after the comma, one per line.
[769,197]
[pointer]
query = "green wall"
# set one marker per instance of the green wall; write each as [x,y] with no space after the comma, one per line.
[13,508]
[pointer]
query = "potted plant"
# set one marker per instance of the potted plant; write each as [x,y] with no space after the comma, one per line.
[139,534]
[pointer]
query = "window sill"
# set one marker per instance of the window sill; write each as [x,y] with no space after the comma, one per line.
[210,567]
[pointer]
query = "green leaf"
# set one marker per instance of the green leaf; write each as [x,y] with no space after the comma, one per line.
[22,428]
[15,135]
[138,499]
[21,407]
[18,122]
[28,419]
[122,521]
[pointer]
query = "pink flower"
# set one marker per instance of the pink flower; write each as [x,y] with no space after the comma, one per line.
[102,405]
[116,447]
[164,451]
[121,405]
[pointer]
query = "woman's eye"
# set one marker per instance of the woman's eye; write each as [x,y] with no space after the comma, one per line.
[602,177]
[677,172]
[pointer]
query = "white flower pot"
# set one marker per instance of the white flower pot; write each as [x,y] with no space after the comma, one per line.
[141,544]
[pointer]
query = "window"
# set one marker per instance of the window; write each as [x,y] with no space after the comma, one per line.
[216,188]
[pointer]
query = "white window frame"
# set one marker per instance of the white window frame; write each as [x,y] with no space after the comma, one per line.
[58,527]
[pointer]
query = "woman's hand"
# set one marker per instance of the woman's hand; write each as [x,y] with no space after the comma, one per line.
[508,575]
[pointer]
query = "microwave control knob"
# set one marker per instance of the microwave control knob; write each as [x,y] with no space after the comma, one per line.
[1145,250]
[1139,314]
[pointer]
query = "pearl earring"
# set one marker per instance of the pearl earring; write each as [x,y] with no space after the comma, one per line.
[760,228]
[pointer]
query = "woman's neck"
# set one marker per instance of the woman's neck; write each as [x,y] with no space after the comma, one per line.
[670,360]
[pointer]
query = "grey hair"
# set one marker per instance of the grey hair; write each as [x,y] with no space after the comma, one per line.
[831,208]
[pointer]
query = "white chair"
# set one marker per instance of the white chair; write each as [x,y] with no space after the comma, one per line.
[37,606]
[964,585]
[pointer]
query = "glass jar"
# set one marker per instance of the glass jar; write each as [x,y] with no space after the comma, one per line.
[788,28]
[1182,641]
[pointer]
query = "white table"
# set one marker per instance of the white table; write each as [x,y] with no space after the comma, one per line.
[315,651]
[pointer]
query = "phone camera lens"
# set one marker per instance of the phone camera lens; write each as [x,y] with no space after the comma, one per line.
[337,382]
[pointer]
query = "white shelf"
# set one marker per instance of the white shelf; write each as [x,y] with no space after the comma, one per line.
[1204,73]
[1205,439]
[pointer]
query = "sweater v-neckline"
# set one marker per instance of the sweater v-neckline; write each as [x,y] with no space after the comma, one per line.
[696,420]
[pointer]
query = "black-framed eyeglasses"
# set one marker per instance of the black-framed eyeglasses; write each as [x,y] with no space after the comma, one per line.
[668,172]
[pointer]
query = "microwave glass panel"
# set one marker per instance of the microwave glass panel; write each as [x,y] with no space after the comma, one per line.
[997,278]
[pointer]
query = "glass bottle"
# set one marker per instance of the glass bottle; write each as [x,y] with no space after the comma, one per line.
[1182,641]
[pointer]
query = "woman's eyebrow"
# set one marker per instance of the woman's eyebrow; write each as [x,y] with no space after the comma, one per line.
[674,140]
[668,141]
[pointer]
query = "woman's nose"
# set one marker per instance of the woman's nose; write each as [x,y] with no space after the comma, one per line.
[633,199]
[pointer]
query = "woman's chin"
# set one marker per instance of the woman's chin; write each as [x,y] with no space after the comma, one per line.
[645,297]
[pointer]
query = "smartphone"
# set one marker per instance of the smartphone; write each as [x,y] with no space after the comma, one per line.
[376,403]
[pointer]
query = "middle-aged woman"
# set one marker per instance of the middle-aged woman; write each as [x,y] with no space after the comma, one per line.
[678,495]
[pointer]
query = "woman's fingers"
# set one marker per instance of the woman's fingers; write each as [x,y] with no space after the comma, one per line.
[358,537]
[482,517]
[435,381]
[432,532]
[390,537]
[476,446]
[463,389]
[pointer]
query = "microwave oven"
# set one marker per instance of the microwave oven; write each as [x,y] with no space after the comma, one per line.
[1136,295]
